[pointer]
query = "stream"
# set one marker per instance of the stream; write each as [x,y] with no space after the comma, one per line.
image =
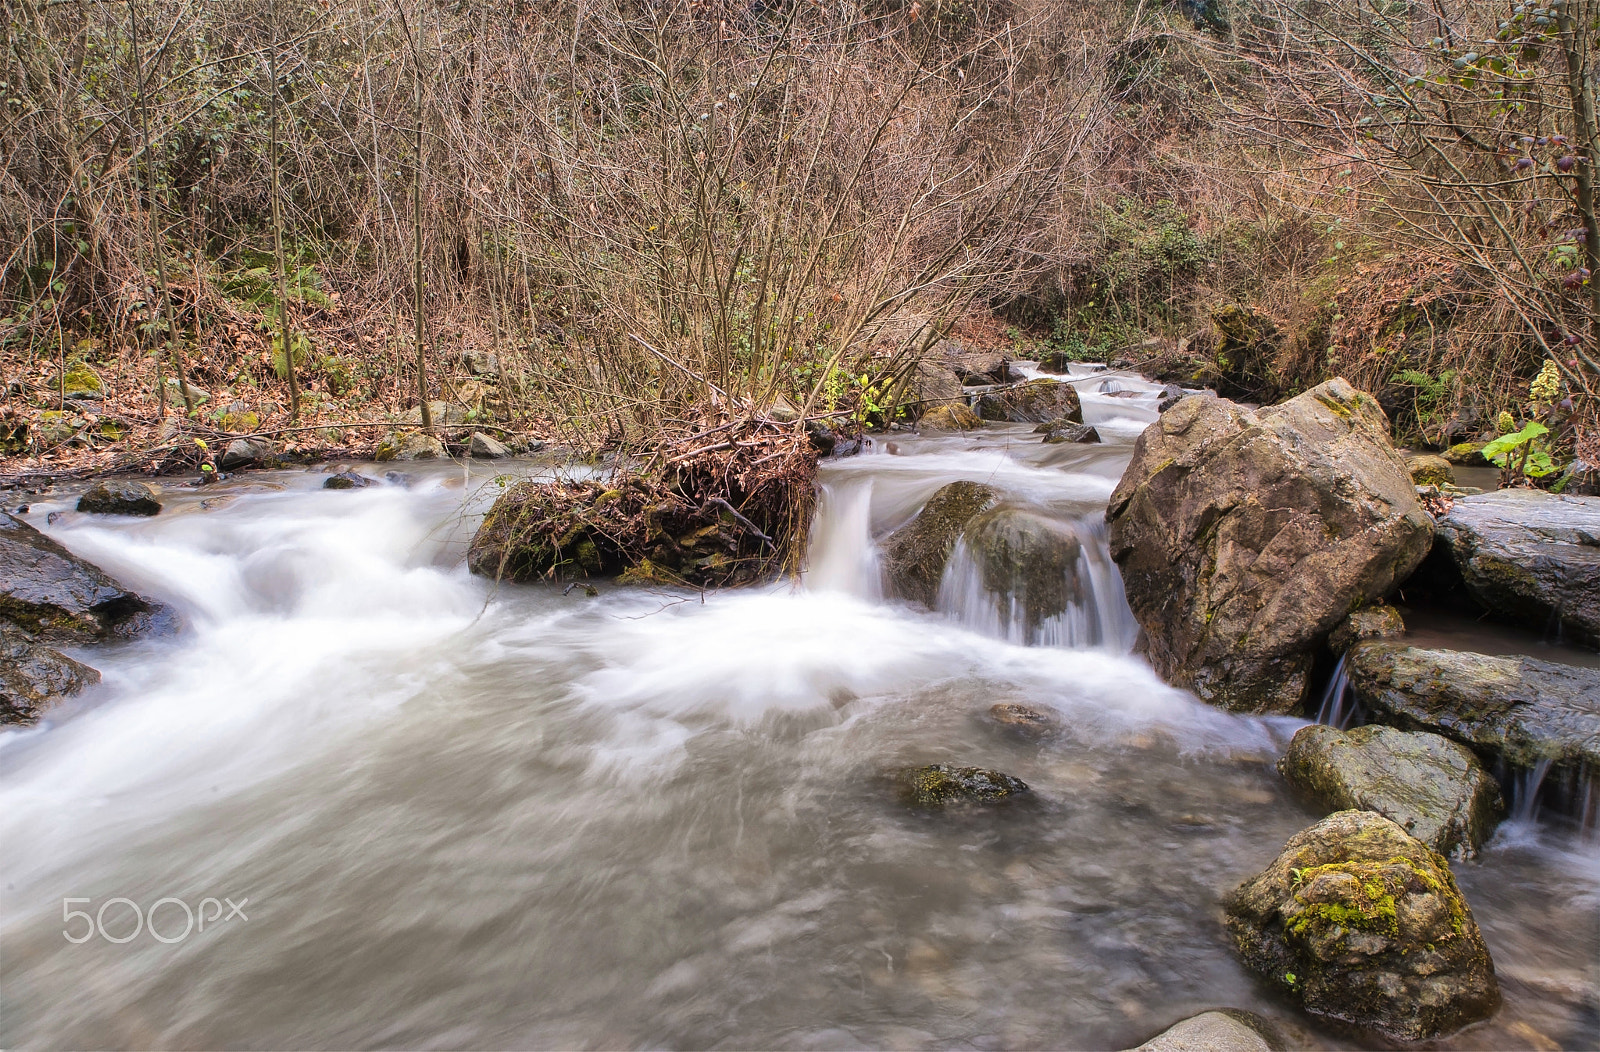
[455,814]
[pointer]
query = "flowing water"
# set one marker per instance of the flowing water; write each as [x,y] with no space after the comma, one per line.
[458,815]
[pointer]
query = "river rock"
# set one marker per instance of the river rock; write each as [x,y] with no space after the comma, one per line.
[1245,538]
[1023,720]
[970,365]
[242,452]
[119,497]
[940,784]
[1220,1030]
[1432,787]
[34,677]
[1380,621]
[952,417]
[915,554]
[1466,454]
[1027,560]
[51,593]
[484,447]
[1032,402]
[347,480]
[931,384]
[1363,924]
[412,445]
[1530,557]
[1516,708]
[1429,470]
[1069,433]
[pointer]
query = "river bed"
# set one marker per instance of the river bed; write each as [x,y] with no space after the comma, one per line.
[469,815]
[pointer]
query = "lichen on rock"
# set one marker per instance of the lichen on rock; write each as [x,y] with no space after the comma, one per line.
[1364,924]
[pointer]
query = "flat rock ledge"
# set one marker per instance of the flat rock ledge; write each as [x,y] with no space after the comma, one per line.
[1516,709]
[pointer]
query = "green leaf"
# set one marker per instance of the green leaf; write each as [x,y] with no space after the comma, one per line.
[1506,443]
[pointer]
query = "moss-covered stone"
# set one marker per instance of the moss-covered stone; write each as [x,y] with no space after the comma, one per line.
[1466,455]
[939,785]
[915,554]
[1430,470]
[409,445]
[953,417]
[1364,924]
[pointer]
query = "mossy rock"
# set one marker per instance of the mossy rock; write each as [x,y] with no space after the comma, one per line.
[1431,471]
[241,421]
[410,445]
[1378,621]
[940,785]
[1363,924]
[1028,562]
[915,554]
[1466,455]
[953,417]
[80,380]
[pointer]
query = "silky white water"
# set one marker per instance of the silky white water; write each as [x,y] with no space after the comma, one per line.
[462,815]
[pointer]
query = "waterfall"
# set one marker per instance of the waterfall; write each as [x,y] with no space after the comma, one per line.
[843,557]
[1525,787]
[1096,615]
[1338,709]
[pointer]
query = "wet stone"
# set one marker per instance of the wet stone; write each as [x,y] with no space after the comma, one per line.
[347,480]
[939,785]
[1023,721]
[120,497]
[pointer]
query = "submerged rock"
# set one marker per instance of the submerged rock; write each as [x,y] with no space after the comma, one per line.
[1516,708]
[33,677]
[1026,722]
[915,554]
[1032,402]
[412,445]
[1530,557]
[52,594]
[347,480]
[1362,923]
[1245,538]
[939,784]
[1220,1030]
[119,497]
[1430,786]
[1026,559]
[952,417]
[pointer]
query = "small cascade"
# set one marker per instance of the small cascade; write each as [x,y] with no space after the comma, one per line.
[1110,386]
[1081,605]
[1339,707]
[1526,786]
[843,557]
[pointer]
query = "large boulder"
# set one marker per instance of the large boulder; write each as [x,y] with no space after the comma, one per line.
[1033,402]
[1515,708]
[1530,557]
[34,677]
[915,554]
[51,593]
[1028,563]
[1245,537]
[1433,788]
[1363,924]
[119,497]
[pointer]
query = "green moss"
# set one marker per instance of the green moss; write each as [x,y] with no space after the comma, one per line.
[80,378]
[1370,907]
